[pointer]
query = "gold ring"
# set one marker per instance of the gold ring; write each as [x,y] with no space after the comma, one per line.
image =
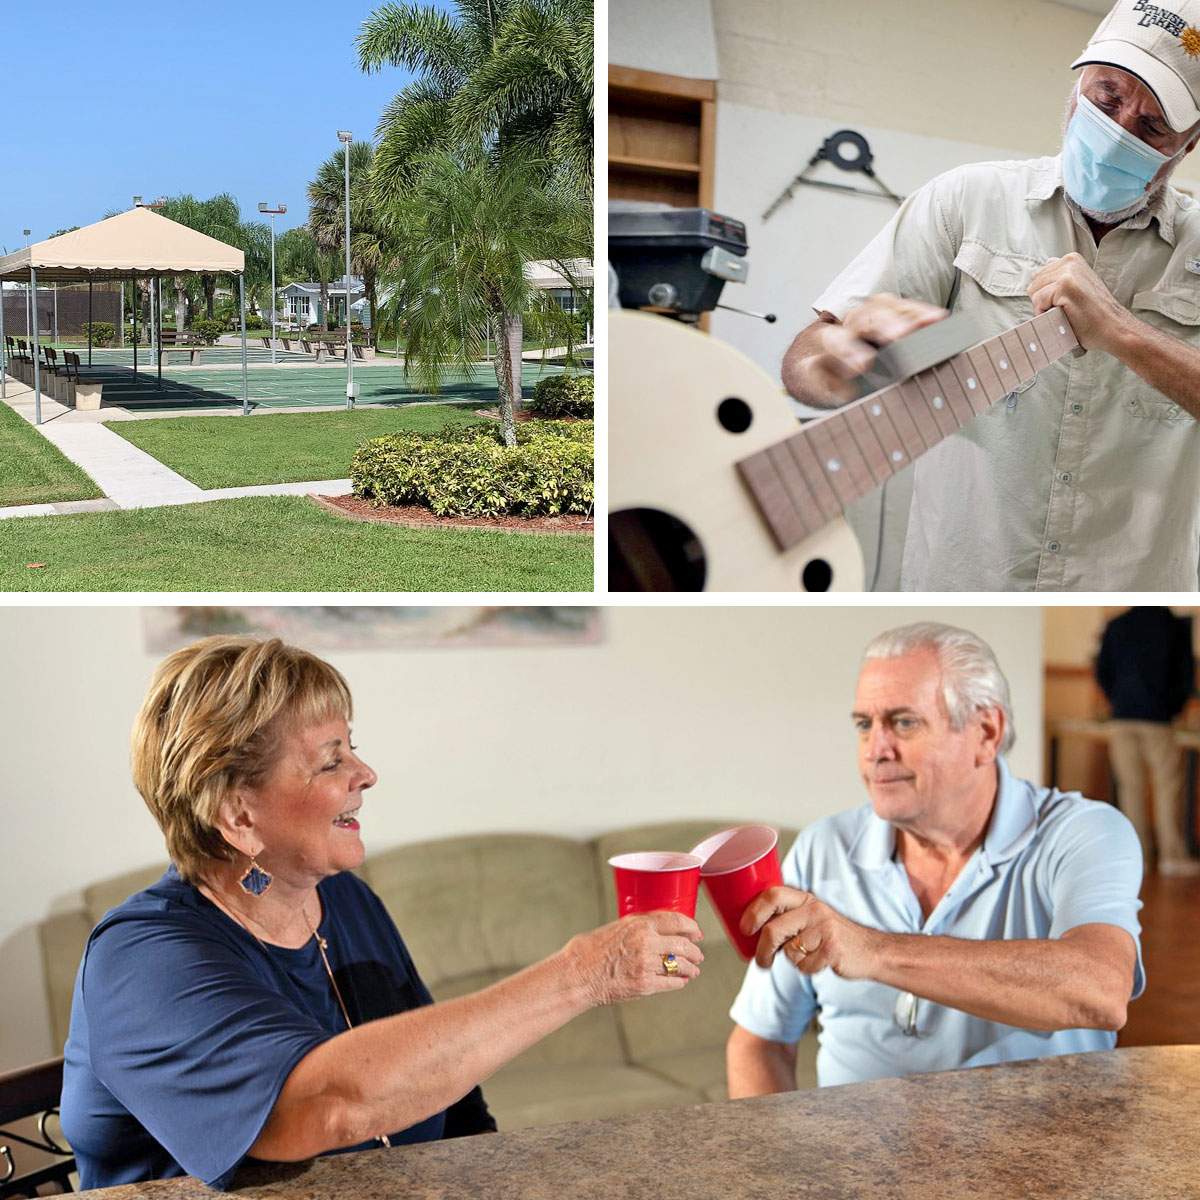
[803,949]
[670,964]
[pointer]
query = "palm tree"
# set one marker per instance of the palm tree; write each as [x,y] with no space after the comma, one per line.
[369,248]
[514,76]
[219,217]
[468,226]
[300,258]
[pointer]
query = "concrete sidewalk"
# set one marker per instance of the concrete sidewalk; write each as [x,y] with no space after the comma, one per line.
[129,477]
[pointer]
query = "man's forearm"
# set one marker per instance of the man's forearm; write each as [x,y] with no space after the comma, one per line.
[757,1067]
[795,378]
[1046,984]
[1170,366]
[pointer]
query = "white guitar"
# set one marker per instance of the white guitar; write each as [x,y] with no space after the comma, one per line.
[713,486]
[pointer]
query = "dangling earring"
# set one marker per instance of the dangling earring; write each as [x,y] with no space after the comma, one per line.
[256,880]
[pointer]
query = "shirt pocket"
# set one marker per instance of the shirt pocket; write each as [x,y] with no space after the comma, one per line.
[1177,313]
[995,281]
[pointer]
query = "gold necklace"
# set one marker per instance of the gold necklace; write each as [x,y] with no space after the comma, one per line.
[322,946]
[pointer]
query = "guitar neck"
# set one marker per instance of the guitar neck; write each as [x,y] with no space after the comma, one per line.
[803,482]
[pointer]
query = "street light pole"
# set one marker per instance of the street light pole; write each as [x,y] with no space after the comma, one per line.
[345,138]
[26,233]
[279,208]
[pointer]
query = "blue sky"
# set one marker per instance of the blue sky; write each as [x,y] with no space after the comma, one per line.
[106,100]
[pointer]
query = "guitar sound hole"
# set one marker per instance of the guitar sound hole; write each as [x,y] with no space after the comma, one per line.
[817,576]
[652,551]
[734,414]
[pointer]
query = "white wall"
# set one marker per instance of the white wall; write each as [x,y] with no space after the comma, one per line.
[680,713]
[674,36]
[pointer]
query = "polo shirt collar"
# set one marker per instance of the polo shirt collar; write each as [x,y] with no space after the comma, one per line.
[1013,823]
[1046,179]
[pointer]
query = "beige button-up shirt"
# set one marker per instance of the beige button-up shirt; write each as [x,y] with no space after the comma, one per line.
[1087,479]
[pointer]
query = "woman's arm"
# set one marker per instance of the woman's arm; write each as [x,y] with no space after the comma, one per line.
[393,1073]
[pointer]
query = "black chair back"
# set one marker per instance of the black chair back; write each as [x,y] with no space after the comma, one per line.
[33,1092]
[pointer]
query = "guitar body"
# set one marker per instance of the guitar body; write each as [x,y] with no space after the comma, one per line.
[683,408]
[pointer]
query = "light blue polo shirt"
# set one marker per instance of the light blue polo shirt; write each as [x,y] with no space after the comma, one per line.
[1049,861]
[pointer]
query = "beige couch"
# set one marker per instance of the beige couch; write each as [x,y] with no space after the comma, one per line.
[474,909]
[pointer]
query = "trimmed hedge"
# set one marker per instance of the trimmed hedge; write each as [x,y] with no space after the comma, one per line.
[103,332]
[564,396]
[208,329]
[472,473]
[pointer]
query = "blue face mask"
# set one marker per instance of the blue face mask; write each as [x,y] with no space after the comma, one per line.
[1105,168]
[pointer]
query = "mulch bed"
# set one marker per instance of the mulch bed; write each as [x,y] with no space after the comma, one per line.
[354,509]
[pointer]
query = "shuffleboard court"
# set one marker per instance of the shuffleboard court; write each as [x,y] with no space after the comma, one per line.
[196,388]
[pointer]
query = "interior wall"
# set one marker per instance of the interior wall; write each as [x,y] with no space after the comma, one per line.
[710,713]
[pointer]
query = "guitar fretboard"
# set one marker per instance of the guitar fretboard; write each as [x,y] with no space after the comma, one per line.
[803,482]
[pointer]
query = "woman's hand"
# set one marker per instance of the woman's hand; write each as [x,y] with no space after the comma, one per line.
[625,958]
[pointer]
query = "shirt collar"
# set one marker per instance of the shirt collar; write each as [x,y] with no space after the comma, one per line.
[1046,179]
[1013,823]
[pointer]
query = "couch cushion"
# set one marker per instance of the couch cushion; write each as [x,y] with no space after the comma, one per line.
[496,902]
[696,1018]
[592,1037]
[703,1071]
[523,1096]
[108,893]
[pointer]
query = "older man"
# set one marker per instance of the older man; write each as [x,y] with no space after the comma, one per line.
[1087,481]
[962,917]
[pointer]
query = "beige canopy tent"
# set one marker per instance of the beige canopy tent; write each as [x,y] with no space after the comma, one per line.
[132,245]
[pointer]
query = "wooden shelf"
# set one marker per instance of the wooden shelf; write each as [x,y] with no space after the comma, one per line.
[653,166]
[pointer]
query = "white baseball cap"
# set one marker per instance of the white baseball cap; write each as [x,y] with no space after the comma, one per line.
[1160,44]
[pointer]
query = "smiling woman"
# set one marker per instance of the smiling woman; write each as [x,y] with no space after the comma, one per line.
[257,1001]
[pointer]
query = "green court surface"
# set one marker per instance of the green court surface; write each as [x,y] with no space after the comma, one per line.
[301,387]
[277,543]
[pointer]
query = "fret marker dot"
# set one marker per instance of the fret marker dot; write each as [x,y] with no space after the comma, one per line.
[897,456]
[1033,345]
[971,383]
[1004,364]
[938,402]
[876,410]
[834,465]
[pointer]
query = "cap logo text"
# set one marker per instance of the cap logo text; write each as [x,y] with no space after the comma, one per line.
[1152,14]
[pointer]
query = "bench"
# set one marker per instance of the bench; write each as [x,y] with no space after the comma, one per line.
[173,342]
[84,394]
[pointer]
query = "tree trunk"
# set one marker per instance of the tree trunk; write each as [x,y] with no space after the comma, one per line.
[323,315]
[504,376]
[210,286]
[180,304]
[515,333]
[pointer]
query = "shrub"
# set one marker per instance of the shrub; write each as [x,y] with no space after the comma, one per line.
[471,473]
[103,332]
[208,329]
[253,321]
[564,396]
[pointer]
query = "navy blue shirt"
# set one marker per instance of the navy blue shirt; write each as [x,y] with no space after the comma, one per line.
[1145,666]
[184,1029]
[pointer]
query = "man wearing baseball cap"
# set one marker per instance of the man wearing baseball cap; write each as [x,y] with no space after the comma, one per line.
[1089,478]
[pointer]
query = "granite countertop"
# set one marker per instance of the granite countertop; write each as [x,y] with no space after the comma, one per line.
[1123,1124]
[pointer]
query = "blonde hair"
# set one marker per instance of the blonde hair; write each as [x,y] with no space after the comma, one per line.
[213,719]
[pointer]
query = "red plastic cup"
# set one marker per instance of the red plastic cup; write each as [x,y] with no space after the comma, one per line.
[654,880]
[739,864]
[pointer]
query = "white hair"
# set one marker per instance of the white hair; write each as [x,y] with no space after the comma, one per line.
[971,676]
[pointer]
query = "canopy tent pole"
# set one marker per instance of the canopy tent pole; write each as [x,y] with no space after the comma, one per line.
[158,325]
[3,348]
[37,354]
[134,306]
[56,314]
[242,307]
[89,320]
[122,326]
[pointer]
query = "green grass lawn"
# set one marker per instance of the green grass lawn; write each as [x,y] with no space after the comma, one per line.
[33,470]
[287,448]
[277,543]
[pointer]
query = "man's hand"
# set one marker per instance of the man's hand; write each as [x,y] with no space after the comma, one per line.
[825,357]
[1070,284]
[811,934]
